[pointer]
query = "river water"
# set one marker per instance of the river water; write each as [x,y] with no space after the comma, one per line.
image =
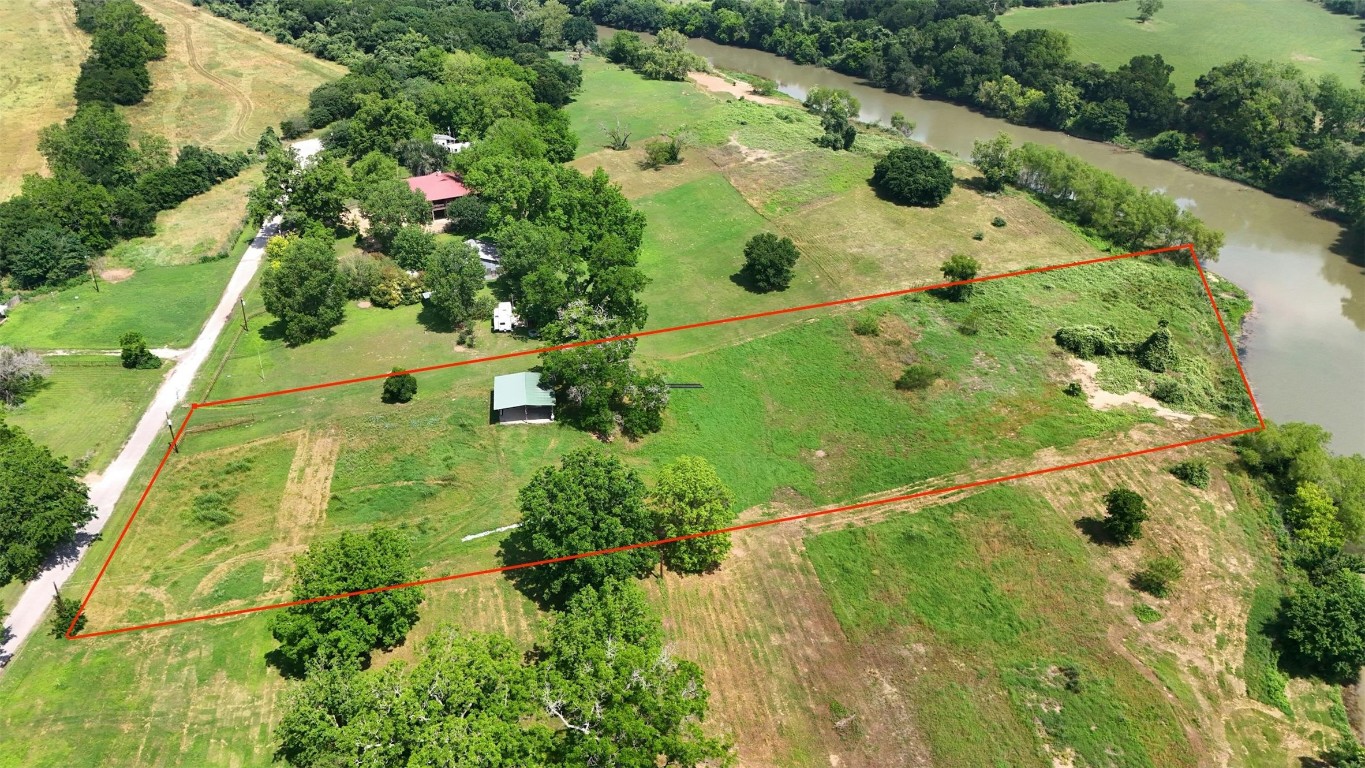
[1304,348]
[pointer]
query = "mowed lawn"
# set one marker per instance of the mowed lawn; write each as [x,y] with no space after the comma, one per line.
[87,408]
[1195,35]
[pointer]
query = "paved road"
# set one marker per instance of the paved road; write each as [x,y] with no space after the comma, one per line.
[150,431]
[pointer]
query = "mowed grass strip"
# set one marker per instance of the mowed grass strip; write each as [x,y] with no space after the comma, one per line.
[1195,35]
[999,593]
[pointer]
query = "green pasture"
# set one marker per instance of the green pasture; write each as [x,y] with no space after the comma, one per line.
[1004,587]
[87,408]
[1196,35]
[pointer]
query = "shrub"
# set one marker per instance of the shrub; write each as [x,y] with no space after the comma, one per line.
[212,508]
[135,353]
[661,152]
[1156,353]
[978,235]
[763,86]
[1166,145]
[63,611]
[1127,511]
[997,222]
[1073,389]
[769,262]
[867,324]
[293,127]
[1159,575]
[959,267]
[1087,341]
[913,176]
[1146,613]
[916,377]
[1193,472]
[400,388]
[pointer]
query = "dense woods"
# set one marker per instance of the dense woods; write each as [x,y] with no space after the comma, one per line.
[1263,123]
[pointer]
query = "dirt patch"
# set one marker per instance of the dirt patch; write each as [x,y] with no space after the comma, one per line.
[116,274]
[305,496]
[1087,371]
[736,88]
[364,304]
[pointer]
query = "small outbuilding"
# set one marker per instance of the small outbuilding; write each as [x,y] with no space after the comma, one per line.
[488,257]
[449,143]
[440,189]
[519,399]
[505,319]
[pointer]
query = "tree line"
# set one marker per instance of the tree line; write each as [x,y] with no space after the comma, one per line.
[1263,123]
[123,39]
[1102,204]
[103,187]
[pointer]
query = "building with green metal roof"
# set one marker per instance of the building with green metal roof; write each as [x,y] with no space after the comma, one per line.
[518,398]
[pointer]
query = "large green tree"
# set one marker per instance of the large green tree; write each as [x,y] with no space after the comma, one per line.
[42,504]
[689,498]
[389,206]
[467,702]
[619,696]
[1324,625]
[92,143]
[345,631]
[1253,111]
[590,502]
[769,262]
[596,386]
[454,276]
[913,176]
[1127,511]
[303,287]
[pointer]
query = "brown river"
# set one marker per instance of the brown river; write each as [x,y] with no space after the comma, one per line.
[1304,346]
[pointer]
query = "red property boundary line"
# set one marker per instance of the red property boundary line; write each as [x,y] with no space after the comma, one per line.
[1203,278]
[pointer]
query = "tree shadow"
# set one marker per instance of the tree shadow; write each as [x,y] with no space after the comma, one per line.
[272,331]
[1095,530]
[976,184]
[743,281]
[434,321]
[533,582]
[287,669]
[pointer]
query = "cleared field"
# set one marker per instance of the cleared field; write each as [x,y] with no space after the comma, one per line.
[88,407]
[1195,35]
[43,53]
[199,228]
[221,84]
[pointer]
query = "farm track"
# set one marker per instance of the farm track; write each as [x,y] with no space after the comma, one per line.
[245,106]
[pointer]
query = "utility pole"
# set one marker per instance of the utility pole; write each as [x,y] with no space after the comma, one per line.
[171,429]
[93,280]
[241,302]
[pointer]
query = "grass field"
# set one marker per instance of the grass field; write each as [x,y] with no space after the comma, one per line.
[795,413]
[88,407]
[1195,35]
[43,52]
[220,84]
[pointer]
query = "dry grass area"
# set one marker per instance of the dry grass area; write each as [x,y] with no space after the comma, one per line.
[201,227]
[221,84]
[43,53]
[795,689]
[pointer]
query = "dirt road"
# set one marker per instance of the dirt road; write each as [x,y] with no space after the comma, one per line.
[150,431]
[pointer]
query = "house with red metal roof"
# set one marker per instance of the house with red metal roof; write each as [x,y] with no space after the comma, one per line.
[439,188]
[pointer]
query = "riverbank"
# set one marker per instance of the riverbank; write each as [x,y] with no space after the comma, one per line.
[1308,335]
